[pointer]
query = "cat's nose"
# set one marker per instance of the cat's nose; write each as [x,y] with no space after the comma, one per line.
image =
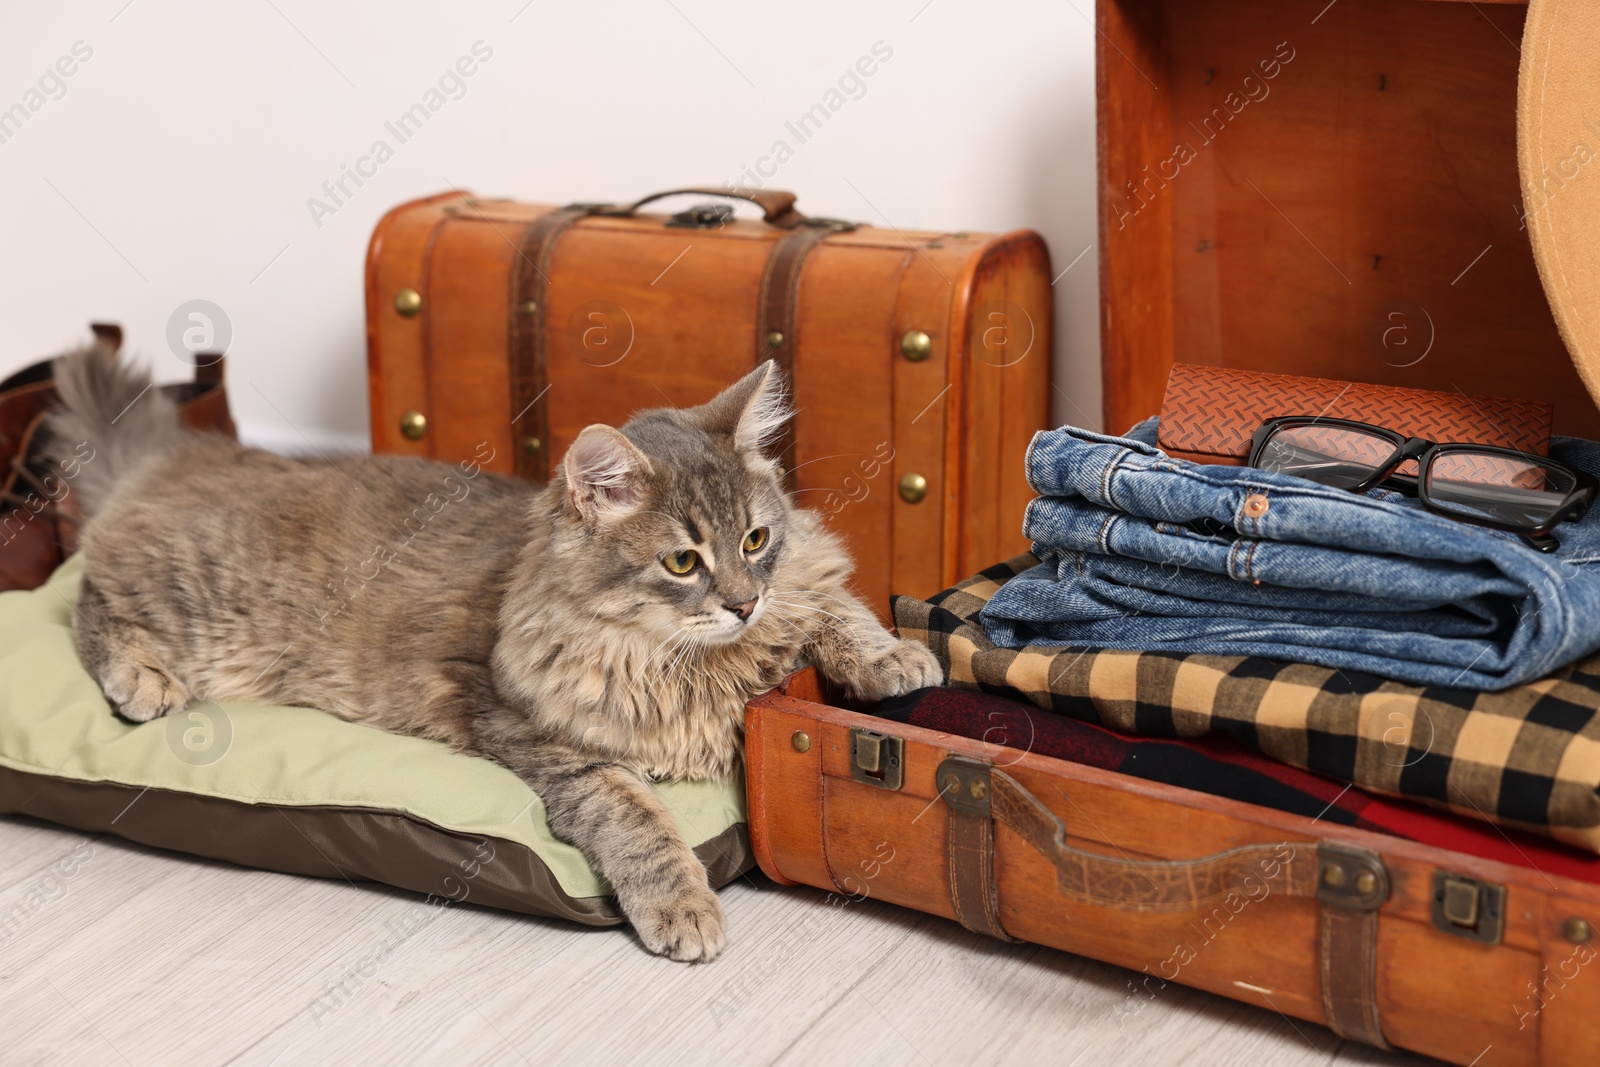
[742,609]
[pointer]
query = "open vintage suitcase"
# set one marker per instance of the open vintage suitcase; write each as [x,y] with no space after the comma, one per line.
[1298,186]
[919,362]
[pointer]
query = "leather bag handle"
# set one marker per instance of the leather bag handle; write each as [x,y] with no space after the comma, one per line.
[777,206]
[1349,883]
[972,788]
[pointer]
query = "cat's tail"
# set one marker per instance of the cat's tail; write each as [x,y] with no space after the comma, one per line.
[113,419]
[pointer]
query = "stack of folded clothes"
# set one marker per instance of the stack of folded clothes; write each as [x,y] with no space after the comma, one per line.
[1358,636]
[1525,757]
[1141,551]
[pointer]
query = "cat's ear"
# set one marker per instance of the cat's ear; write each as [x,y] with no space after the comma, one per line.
[752,410]
[605,473]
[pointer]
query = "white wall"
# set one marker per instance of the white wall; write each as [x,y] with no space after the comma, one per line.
[177,160]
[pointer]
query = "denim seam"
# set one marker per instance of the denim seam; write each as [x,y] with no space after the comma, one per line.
[1103,537]
[1233,560]
[1027,457]
[1242,522]
[1027,517]
[1105,478]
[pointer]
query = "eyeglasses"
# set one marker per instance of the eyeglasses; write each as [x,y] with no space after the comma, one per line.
[1496,487]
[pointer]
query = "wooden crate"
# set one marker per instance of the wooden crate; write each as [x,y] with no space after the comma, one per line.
[1319,188]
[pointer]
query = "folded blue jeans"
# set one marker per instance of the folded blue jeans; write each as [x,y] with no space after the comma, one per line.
[1372,583]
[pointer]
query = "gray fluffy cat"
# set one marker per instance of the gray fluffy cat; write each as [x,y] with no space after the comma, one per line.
[592,635]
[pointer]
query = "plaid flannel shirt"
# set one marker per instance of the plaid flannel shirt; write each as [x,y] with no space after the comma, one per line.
[1528,756]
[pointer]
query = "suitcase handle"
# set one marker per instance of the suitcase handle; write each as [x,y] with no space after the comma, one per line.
[777,206]
[978,791]
[1349,883]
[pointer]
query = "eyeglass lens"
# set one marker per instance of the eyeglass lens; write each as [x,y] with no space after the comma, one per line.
[1336,456]
[1502,489]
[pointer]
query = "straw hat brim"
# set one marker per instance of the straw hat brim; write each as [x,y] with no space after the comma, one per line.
[1558,157]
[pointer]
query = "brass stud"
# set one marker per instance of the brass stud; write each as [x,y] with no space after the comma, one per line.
[1333,876]
[531,445]
[530,307]
[952,784]
[775,338]
[1577,930]
[408,302]
[977,787]
[801,741]
[1366,882]
[916,346]
[413,424]
[913,488]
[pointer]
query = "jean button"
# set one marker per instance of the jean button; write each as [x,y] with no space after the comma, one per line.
[1256,505]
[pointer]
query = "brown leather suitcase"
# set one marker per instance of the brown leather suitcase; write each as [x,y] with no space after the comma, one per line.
[920,362]
[1337,168]
[1320,922]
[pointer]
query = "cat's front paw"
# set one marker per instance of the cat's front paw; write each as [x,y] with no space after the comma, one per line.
[907,665]
[141,692]
[686,926]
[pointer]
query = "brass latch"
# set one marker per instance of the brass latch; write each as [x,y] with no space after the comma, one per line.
[1469,908]
[877,759]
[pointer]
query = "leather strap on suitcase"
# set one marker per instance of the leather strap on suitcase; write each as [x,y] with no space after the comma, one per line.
[530,277]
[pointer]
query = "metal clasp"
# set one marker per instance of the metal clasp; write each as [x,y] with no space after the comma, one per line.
[1469,908]
[877,759]
[702,217]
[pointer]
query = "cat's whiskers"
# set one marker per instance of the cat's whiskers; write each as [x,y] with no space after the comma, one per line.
[681,657]
[807,607]
[783,619]
[818,593]
[650,657]
[690,662]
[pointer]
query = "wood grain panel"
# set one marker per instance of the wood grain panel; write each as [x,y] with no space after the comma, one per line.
[1008,347]
[921,394]
[1135,131]
[1458,1020]
[1339,198]
[641,316]
[467,328]
[397,377]
[1563,1004]
[844,415]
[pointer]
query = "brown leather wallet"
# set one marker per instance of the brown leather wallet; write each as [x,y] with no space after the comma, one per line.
[1209,413]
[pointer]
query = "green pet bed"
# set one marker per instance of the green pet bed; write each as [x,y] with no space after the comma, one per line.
[297,790]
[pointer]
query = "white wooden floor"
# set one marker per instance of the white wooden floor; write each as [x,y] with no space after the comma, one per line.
[147,958]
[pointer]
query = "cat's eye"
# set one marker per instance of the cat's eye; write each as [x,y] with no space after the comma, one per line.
[756,539]
[682,562]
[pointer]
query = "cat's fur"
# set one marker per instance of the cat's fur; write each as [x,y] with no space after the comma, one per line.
[538,628]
